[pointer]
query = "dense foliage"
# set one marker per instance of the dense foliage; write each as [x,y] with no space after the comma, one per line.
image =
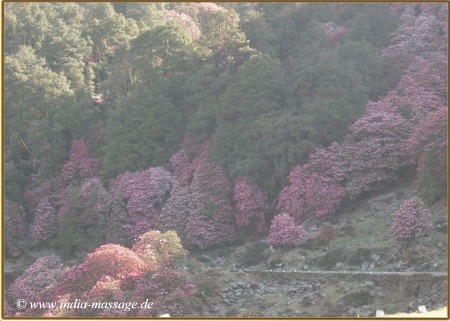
[412,218]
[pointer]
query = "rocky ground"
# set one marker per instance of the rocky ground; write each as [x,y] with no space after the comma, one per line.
[255,280]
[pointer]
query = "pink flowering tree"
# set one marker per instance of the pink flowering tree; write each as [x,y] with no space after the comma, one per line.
[45,223]
[418,34]
[412,218]
[99,214]
[200,202]
[312,192]
[428,145]
[373,152]
[34,283]
[186,161]
[251,205]
[212,220]
[176,210]
[81,163]
[284,231]
[165,289]
[110,260]
[144,194]
[334,32]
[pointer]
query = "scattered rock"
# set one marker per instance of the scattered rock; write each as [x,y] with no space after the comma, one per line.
[422,309]
[375,257]
[276,263]
[368,284]
[365,311]
[365,265]
[379,313]
[308,298]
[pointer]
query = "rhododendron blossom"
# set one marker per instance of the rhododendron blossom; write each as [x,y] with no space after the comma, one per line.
[251,204]
[284,231]
[110,260]
[81,163]
[32,283]
[144,194]
[412,217]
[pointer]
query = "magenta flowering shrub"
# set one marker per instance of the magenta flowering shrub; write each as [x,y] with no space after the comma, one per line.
[373,152]
[199,207]
[81,163]
[175,211]
[110,260]
[45,223]
[54,190]
[212,219]
[167,292]
[418,34]
[98,212]
[251,205]
[107,289]
[412,218]
[46,272]
[334,32]
[284,231]
[186,161]
[428,144]
[144,194]
[310,194]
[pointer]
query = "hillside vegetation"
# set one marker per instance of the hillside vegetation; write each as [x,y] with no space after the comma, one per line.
[135,132]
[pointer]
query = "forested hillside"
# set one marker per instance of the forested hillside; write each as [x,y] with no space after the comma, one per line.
[221,122]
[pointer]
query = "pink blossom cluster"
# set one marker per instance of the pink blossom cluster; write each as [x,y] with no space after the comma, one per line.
[412,217]
[175,211]
[144,194]
[373,152]
[186,161]
[310,194]
[251,204]
[334,32]
[418,34]
[94,195]
[110,260]
[409,119]
[212,221]
[430,140]
[32,283]
[284,231]
[167,290]
[45,221]
[200,204]
[81,163]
